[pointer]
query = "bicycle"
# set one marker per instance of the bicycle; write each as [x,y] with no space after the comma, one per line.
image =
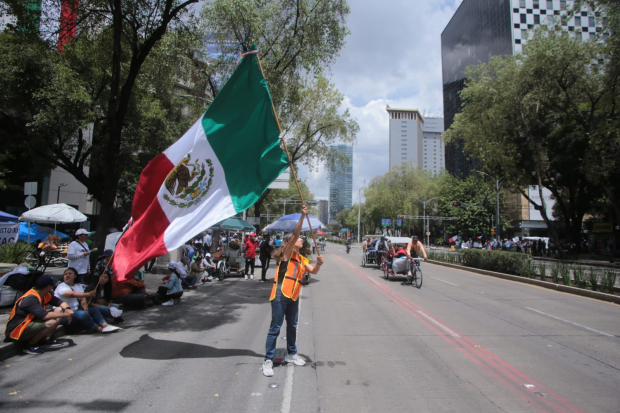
[414,272]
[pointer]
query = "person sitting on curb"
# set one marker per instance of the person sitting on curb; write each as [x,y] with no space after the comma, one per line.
[103,265]
[130,293]
[103,298]
[171,293]
[197,269]
[182,268]
[84,318]
[209,267]
[30,322]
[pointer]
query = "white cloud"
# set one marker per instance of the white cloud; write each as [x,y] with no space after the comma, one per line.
[392,57]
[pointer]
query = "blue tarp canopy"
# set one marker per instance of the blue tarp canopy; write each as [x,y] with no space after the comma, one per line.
[4,217]
[36,232]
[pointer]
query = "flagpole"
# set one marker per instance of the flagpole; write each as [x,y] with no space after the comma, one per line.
[290,161]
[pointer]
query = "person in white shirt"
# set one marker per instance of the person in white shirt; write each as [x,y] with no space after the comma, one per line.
[78,255]
[84,318]
[207,240]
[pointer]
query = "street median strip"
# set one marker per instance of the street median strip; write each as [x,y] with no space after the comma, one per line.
[544,284]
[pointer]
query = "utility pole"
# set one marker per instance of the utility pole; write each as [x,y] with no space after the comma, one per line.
[424,215]
[498,182]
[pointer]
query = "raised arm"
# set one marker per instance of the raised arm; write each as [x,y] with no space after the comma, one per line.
[288,250]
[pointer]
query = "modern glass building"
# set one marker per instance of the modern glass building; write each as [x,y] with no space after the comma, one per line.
[481,29]
[341,183]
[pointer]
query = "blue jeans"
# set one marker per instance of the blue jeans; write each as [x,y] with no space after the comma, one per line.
[99,314]
[189,280]
[81,320]
[282,307]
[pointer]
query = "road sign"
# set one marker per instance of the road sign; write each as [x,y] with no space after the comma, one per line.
[399,222]
[30,188]
[30,201]
[386,222]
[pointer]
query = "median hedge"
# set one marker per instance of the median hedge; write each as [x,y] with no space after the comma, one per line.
[498,261]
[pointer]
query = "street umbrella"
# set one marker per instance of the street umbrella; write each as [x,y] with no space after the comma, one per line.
[287,223]
[4,217]
[52,214]
[233,224]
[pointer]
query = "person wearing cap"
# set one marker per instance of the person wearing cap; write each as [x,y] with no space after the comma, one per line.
[250,254]
[415,247]
[209,267]
[78,256]
[31,323]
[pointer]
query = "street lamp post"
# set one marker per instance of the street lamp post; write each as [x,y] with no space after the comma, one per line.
[498,182]
[424,215]
[359,212]
[58,194]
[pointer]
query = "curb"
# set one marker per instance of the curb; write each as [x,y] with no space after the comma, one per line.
[13,348]
[544,284]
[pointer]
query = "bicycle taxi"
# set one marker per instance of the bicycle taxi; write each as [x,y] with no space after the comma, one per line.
[409,267]
[369,256]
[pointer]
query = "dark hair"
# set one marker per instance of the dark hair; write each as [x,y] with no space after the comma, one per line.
[278,254]
[67,269]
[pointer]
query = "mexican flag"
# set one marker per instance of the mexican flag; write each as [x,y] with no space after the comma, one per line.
[220,167]
[453,239]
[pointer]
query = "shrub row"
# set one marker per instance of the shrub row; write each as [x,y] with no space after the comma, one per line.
[499,261]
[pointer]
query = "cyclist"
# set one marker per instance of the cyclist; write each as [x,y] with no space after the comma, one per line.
[415,247]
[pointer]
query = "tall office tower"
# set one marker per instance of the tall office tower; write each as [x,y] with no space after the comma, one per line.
[341,183]
[324,211]
[481,29]
[434,148]
[406,137]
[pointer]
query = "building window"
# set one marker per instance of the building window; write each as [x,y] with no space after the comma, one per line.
[591,21]
[522,3]
[536,19]
[577,21]
[549,4]
[537,4]
[523,18]
[562,4]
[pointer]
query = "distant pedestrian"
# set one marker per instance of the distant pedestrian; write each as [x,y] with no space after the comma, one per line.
[250,255]
[77,255]
[265,257]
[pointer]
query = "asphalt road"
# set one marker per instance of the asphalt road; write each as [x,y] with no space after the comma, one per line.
[462,343]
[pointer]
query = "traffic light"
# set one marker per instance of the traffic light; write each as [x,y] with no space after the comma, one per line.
[455,218]
[493,231]
[455,203]
[400,216]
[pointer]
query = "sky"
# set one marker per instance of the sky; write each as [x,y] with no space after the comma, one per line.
[392,57]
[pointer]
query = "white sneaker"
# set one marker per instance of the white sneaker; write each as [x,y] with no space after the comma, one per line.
[246,276]
[268,368]
[110,329]
[251,276]
[295,359]
[171,302]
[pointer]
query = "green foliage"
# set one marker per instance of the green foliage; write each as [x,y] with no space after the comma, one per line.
[565,274]
[545,117]
[10,251]
[608,281]
[580,276]
[593,279]
[542,271]
[555,273]
[478,199]
[499,261]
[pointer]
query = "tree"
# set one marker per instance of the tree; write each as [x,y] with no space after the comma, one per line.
[298,40]
[532,118]
[98,80]
[475,215]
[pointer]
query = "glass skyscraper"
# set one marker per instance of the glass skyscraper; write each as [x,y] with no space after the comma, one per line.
[341,183]
[481,29]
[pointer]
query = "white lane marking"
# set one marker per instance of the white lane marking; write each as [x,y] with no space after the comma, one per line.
[438,324]
[570,322]
[443,281]
[288,390]
[373,280]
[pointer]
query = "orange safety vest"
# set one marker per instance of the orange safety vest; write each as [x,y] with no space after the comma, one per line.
[21,327]
[291,284]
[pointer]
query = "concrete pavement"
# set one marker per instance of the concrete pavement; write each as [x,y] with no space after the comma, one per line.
[462,343]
